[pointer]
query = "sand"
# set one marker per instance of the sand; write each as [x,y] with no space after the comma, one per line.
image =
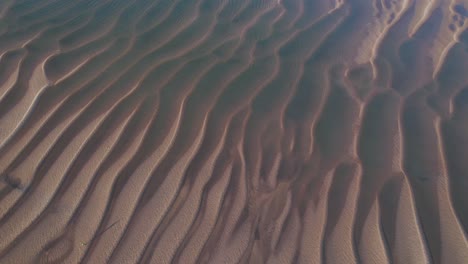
[234,131]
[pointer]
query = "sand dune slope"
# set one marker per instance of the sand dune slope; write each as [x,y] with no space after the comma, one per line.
[234,131]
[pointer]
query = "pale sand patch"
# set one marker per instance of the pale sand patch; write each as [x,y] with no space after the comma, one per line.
[26,170]
[40,197]
[196,242]
[409,245]
[4,133]
[314,221]
[126,201]
[281,200]
[8,84]
[231,246]
[289,241]
[272,177]
[372,249]
[55,223]
[340,242]
[178,228]
[16,115]
[90,218]
[454,243]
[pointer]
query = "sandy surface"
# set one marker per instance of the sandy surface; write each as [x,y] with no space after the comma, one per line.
[234,131]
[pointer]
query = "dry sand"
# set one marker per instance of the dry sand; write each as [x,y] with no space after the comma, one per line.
[234,131]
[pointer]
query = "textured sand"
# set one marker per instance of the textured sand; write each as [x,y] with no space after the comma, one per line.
[234,131]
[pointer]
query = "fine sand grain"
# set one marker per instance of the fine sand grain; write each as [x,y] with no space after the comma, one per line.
[234,131]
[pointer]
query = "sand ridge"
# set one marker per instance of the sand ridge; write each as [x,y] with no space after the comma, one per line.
[233,131]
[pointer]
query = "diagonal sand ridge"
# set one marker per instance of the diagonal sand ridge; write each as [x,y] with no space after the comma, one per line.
[233,131]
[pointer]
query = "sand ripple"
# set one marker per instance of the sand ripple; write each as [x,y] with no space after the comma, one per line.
[233,131]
